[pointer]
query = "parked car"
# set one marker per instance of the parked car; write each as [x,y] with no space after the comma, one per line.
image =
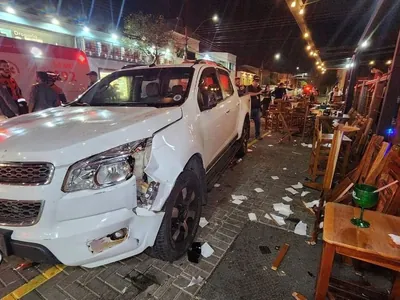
[122,169]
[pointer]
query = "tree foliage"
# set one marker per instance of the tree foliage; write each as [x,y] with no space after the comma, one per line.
[146,33]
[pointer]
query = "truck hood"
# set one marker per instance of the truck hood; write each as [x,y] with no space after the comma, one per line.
[65,135]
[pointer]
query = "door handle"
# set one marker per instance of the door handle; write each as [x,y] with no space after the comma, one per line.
[228,111]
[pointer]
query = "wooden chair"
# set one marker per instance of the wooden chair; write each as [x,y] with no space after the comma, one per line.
[320,152]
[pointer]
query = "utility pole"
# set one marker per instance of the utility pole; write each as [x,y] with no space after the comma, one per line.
[185,18]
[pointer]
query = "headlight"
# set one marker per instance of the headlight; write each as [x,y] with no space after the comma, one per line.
[105,169]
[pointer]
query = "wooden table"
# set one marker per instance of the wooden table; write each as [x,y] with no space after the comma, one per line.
[367,244]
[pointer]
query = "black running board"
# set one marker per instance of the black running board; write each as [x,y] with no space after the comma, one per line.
[221,164]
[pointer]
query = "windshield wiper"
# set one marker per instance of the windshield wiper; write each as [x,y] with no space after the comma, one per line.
[76,103]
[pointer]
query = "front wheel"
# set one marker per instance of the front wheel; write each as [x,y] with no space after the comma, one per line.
[244,139]
[181,219]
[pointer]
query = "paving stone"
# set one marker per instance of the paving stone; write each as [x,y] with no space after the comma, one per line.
[231,227]
[218,252]
[224,238]
[214,260]
[72,277]
[157,276]
[98,286]
[172,270]
[184,296]
[163,288]
[110,269]
[92,273]
[117,283]
[144,265]
[217,243]
[52,282]
[33,296]
[131,261]
[55,293]
[11,287]
[160,263]
[227,232]
[171,293]
[9,277]
[76,291]
[110,295]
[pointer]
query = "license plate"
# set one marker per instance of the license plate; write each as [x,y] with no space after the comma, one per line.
[5,242]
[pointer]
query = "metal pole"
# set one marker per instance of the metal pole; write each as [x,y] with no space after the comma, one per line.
[391,100]
[186,29]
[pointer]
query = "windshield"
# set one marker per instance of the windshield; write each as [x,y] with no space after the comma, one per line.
[141,87]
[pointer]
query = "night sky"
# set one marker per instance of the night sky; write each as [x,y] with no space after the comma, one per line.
[255,30]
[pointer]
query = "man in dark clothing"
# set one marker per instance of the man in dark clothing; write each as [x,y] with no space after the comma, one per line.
[254,90]
[93,78]
[42,96]
[279,92]
[266,101]
[240,88]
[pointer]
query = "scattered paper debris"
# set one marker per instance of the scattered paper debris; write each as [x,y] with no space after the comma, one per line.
[203,222]
[237,202]
[321,225]
[252,216]
[395,238]
[239,160]
[217,185]
[281,273]
[299,185]
[206,250]
[297,153]
[309,145]
[195,281]
[275,177]
[301,228]
[249,150]
[283,209]
[312,204]
[259,190]
[304,144]
[269,135]
[284,169]
[279,220]
[267,216]
[270,145]
[239,197]
[304,193]
[292,190]
[287,199]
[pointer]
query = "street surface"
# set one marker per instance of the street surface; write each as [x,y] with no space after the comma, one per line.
[143,277]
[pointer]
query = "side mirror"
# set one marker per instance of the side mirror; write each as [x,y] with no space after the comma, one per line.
[210,96]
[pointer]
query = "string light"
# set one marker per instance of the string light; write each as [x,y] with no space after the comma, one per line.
[389,62]
[293,5]
[372,62]
[306,35]
[308,47]
[317,63]
[301,12]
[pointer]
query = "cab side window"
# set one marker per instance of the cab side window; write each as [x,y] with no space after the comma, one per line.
[208,84]
[226,84]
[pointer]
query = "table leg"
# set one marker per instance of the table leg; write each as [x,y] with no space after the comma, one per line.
[395,293]
[346,157]
[325,268]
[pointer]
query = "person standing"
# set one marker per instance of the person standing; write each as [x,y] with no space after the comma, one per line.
[279,92]
[93,78]
[42,95]
[53,77]
[254,90]
[240,88]
[266,100]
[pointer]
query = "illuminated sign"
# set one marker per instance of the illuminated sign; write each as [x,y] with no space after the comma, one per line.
[27,36]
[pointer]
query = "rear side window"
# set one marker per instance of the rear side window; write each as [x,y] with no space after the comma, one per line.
[225,82]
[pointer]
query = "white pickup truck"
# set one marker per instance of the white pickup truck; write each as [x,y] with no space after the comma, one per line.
[122,169]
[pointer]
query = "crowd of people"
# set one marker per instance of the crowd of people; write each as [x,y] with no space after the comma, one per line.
[259,107]
[44,94]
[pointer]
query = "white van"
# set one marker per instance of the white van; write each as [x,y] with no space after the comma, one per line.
[26,58]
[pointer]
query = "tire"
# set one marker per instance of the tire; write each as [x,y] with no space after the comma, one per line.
[244,139]
[181,220]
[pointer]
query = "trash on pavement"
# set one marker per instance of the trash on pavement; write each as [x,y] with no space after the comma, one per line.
[252,216]
[217,185]
[293,220]
[311,204]
[284,169]
[304,193]
[287,199]
[280,257]
[239,197]
[194,252]
[249,150]
[297,153]
[206,250]
[237,202]
[283,209]
[259,190]
[301,228]
[299,185]
[292,190]
[203,222]
[195,281]
[25,265]
[298,296]
[304,144]
[264,249]
[275,177]
[278,219]
[267,216]
[270,145]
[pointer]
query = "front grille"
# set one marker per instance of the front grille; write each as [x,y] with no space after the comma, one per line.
[26,173]
[19,213]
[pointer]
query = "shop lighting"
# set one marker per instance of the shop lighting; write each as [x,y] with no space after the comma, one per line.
[36,52]
[114,36]
[86,29]
[215,18]
[293,5]
[301,12]
[306,35]
[10,10]
[55,21]
[277,56]
[389,62]
[371,63]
